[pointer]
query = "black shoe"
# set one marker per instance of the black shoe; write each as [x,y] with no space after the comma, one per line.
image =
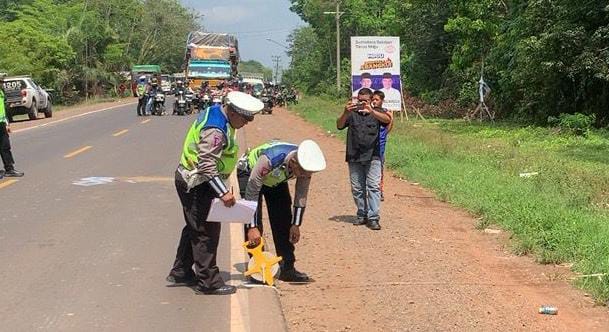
[13,174]
[250,280]
[374,225]
[292,275]
[223,290]
[181,282]
[360,221]
[382,197]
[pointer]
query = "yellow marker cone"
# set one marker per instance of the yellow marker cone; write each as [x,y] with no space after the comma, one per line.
[263,262]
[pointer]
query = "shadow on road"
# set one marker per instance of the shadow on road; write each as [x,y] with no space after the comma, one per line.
[344,218]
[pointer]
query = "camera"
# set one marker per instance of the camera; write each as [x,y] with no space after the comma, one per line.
[360,105]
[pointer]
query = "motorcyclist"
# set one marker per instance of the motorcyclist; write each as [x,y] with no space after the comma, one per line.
[152,92]
[179,88]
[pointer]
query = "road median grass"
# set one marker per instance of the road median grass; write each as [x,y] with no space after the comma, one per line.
[549,189]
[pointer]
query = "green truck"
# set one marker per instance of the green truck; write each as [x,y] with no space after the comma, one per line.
[143,70]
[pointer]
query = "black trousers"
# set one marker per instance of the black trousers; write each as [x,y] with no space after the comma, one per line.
[141,106]
[279,207]
[199,240]
[5,148]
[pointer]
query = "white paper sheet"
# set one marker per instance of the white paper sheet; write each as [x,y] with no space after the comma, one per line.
[242,212]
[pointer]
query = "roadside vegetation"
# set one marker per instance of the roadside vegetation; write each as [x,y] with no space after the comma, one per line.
[541,58]
[546,186]
[79,48]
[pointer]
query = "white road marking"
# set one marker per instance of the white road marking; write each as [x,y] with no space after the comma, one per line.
[70,117]
[239,312]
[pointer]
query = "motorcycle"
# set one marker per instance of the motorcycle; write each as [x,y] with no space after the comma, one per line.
[279,100]
[190,96]
[268,104]
[205,102]
[159,104]
[179,107]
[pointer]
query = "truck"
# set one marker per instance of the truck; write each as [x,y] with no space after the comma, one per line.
[24,96]
[210,57]
[143,70]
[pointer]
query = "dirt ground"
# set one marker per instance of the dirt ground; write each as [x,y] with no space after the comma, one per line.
[428,269]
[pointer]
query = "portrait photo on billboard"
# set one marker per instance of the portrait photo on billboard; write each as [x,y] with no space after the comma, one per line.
[389,84]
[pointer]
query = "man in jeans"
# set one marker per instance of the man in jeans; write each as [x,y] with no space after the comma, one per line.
[363,155]
[378,97]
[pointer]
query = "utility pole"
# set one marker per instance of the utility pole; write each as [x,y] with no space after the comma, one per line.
[337,16]
[276,60]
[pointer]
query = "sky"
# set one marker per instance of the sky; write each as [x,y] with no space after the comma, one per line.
[253,21]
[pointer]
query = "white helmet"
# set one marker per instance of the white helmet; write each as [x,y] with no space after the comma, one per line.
[310,157]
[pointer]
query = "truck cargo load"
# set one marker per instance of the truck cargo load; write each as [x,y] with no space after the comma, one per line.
[211,57]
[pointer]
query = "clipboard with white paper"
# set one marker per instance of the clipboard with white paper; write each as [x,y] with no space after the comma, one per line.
[242,212]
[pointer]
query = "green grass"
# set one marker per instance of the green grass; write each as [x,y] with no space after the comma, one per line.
[558,216]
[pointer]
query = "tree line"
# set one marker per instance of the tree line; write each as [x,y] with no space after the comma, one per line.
[541,58]
[79,47]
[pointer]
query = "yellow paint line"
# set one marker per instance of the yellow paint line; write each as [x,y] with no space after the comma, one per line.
[79,151]
[7,183]
[118,133]
[145,121]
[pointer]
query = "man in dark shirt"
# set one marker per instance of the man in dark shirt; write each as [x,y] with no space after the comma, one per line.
[363,155]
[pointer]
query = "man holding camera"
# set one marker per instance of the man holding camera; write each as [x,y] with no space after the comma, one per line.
[363,155]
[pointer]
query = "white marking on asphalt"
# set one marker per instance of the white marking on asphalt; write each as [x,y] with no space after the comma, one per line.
[93,181]
[118,133]
[239,312]
[70,117]
[145,121]
[77,152]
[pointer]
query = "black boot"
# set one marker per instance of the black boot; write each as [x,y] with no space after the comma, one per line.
[293,275]
[13,174]
[223,290]
[174,281]
[360,221]
[374,225]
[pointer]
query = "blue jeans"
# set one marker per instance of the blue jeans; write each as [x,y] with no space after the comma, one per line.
[366,188]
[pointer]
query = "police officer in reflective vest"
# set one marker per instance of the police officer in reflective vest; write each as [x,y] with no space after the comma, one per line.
[265,171]
[209,155]
[5,143]
[142,86]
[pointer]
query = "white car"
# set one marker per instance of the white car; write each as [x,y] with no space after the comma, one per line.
[23,96]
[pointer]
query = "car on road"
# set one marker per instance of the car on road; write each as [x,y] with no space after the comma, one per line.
[23,96]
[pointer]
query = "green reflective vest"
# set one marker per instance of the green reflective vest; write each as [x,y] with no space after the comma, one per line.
[141,90]
[276,152]
[213,117]
[2,109]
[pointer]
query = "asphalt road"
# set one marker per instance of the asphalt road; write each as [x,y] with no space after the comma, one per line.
[85,255]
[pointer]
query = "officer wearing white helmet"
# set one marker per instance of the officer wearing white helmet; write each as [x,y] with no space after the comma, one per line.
[209,156]
[265,171]
[142,86]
